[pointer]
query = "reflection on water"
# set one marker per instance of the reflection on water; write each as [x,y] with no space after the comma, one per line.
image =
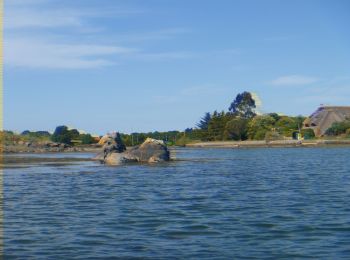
[52,159]
[224,203]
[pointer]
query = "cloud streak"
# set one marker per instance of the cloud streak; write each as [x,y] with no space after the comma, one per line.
[40,54]
[293,80]
[36,37]
[164,34]
[27,18]
[38,16]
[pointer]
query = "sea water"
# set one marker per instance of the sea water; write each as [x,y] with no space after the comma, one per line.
[205,204]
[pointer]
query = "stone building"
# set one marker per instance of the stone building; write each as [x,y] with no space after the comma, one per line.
[325,116]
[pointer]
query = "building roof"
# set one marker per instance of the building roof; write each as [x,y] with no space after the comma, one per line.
[325,116]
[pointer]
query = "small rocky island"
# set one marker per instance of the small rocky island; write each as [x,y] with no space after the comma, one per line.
[115,153]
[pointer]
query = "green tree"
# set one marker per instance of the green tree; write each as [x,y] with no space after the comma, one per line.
[217,124]
[338,128]
[308,133]
[74,133]
[243,105]
[236,129]
[204,122]
[259,126]
[63,135]
[286,125]
[87,139]
[275,116]
[347,132]
[183,140]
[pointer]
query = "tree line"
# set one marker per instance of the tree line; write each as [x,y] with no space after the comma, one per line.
[240,122]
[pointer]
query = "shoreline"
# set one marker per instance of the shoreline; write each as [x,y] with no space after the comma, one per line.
[42,149]
[269,144]
[21,149]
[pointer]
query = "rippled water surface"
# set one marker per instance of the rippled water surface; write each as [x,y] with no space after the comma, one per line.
[207,204]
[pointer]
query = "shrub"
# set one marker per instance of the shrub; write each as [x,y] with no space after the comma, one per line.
[347,132]
[182,141]
[287,125]
[273,135]
[308,133]
[338,128]
[63,135]
[236,129]
[259,126]
[87,139]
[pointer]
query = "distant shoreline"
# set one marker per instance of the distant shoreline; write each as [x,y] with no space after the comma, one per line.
[41,149]
[266,144]
[22,149]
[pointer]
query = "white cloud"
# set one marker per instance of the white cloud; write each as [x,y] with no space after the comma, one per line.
[38,35]
[27,18]
[162,56]
[24,52]
[164,34]
[40,54]
[24,2]
[293,80]
[35,14]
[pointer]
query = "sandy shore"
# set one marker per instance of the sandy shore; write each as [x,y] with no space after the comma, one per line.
[278,143]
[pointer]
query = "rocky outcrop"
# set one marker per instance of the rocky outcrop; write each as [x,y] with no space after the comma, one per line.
[45,147]
[104,139]
[150,151]
[112,143]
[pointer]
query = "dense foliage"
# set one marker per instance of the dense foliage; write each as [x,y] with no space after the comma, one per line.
[65,135]
[86,139]
[308,133]
[169,137]
[10,138]
[339,128]
[204,122]
[243,105]
[36,133]
[236,129]
[227,126]
[240,122]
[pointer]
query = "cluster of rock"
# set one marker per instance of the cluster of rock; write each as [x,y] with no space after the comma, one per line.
[115,152]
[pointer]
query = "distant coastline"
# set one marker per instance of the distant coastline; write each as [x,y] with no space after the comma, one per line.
[60,148]
[49,148]
[275,143]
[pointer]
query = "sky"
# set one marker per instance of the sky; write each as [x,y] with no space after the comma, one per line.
[139,66]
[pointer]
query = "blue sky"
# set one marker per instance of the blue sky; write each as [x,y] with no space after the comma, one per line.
[103,65]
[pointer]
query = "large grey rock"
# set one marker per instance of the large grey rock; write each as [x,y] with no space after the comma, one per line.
[114,143]
[151,151]
[119,158]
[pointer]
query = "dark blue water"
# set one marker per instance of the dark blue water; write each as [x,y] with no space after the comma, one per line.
[208,204]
